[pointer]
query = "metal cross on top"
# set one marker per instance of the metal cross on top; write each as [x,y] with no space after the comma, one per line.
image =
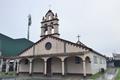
[78,37]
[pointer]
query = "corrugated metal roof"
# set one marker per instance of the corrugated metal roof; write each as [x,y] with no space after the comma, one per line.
[11,47]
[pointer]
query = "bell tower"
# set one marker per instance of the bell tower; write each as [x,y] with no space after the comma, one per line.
[49,25]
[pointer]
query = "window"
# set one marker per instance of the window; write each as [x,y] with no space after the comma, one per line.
[100,60]
[104,61]
[53,30]
[46,32]
[49,18]
[95,59]
[26,61]
[77,60]
[48,46]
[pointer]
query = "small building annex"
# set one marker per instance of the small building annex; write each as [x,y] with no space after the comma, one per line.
[54,55]
[9,48]
[116,59]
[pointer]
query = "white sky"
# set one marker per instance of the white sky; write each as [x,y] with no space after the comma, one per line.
[97,21]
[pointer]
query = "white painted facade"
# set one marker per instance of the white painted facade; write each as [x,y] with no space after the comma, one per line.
[60,55]
[58,48]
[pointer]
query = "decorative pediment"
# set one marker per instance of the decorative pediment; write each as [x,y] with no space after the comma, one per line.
[53,45]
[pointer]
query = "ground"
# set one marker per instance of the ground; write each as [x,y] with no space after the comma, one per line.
[118,75]
[108,75]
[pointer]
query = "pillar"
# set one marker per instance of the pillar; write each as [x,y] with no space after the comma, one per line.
[49,29]
[56,30]
[42,31]
[30,68]
[45,65]
[14,66]
[63,68]
[7,66]
[1,64]
[18,64]
[63,65]
[45,68]
[84,68]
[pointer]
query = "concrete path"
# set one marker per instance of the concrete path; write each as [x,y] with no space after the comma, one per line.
[109,75]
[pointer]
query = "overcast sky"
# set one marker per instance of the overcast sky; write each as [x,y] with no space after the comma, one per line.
[97,21]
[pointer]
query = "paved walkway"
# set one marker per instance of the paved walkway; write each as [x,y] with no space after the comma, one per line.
[109,75]
[45,78]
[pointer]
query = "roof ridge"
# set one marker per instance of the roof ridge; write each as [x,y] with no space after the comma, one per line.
[20,38]
[5,36]
[79,45]
[23,39]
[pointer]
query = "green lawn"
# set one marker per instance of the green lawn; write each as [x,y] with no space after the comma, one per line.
[97,75]
[9,74]
[118,75]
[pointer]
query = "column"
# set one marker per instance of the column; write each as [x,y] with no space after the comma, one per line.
[14,66]
[7,66]
[1,64]
[45,67]
[84,68]
[56,28]
[42,31]
[18,64]
[30,68]
[63,67]
[49,29]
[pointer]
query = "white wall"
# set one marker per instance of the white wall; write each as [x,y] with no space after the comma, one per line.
[57,47]
[28,52]
[56,66]
[88,64]
[71,48]
[88,68]
[72,67]
[38,65]
[97,66]
[23,67]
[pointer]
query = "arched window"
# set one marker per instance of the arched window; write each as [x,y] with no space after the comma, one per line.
[77,60]
[49,17]
[53,30]
[46,32]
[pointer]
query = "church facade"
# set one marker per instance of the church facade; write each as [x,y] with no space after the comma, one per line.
[53,55]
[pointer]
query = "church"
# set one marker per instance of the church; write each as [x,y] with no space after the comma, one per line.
[53,55]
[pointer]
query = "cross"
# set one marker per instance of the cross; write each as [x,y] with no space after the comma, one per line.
[78,37]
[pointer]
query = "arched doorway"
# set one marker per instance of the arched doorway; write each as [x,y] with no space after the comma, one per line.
[54,66]
[88,65]
[38,65]
[24,65]
[12,65]
[73,65]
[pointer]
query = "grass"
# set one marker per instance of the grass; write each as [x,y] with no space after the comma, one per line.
[9,74]
[97,75]
[118,75]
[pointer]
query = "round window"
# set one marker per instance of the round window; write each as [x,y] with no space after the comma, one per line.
[48,45]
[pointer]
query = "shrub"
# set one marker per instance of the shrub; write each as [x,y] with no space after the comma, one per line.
[102,70]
